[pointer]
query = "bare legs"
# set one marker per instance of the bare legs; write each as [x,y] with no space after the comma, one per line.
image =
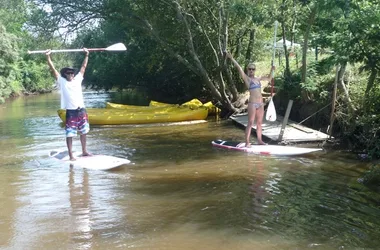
[252,114]
[84,145]
[259,123]
[69,143]
[251,120]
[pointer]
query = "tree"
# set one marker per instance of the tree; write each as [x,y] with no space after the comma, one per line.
[194,33]
[8,58]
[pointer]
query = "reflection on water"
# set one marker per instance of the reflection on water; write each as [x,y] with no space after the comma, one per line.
[178,193]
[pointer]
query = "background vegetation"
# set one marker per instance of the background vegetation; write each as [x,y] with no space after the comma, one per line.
[176,52]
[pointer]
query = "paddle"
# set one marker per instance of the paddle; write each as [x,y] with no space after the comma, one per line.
[271,111]
[115,47]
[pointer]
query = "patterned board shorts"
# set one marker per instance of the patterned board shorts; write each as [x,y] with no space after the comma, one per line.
[76,120]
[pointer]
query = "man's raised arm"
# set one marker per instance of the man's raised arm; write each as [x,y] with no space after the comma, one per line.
[85,61]
[51,65]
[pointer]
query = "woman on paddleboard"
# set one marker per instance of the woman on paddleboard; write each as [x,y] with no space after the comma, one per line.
[255,102]
[72,101]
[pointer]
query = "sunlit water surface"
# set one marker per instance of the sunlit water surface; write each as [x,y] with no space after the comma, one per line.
[178,192]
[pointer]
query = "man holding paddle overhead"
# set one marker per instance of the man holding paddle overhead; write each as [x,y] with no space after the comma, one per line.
[72,101]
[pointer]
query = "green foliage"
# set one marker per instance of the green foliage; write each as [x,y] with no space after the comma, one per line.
[318,85]
[8,58]
[319,82]
[12,15]
[17,74]
[160,31]
[362,130]
[35,77]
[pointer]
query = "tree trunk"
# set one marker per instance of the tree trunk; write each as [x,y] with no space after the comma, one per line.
[248,55]
[311,19]
[371,81]
[332,115]
[239,39]
[223,40]
[286,54]
[341,73]
[294,22]
[310,23]
[370,84]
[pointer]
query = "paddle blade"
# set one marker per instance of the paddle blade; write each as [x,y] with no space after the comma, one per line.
[271,112]
[116,47]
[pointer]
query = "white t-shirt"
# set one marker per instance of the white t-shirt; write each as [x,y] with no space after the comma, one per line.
[71,92]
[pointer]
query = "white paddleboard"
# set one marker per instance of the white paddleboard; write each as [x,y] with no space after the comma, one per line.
[96,162]
[264,149]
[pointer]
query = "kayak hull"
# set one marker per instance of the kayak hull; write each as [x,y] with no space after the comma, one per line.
[119,117]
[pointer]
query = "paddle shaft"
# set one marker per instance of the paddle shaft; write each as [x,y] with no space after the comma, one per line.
[115,47]
[271,111]
[274,54]
[64,50]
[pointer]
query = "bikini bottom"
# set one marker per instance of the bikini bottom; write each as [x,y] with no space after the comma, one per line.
[256,105]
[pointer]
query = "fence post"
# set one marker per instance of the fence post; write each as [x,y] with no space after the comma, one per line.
[285,121]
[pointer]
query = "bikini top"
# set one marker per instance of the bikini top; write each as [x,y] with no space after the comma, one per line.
[253,85]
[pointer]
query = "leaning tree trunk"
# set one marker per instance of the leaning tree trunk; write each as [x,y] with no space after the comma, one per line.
[219,89]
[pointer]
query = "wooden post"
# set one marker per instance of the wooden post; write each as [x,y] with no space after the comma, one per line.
[285,121]
[332,116]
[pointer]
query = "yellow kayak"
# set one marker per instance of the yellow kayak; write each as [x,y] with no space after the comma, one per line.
[160,104]
[212,109]
[110,105]
[118,117]
[194,103]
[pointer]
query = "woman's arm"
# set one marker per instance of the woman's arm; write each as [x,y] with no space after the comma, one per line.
[239,68]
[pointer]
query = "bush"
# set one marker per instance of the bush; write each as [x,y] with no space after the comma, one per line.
[360,129]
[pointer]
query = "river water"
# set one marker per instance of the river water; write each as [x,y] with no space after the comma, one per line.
[178,192]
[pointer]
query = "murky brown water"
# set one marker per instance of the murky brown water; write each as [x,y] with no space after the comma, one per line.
[178,193]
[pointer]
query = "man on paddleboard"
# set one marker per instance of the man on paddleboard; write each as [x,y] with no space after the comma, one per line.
[255,102]
[72,101]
